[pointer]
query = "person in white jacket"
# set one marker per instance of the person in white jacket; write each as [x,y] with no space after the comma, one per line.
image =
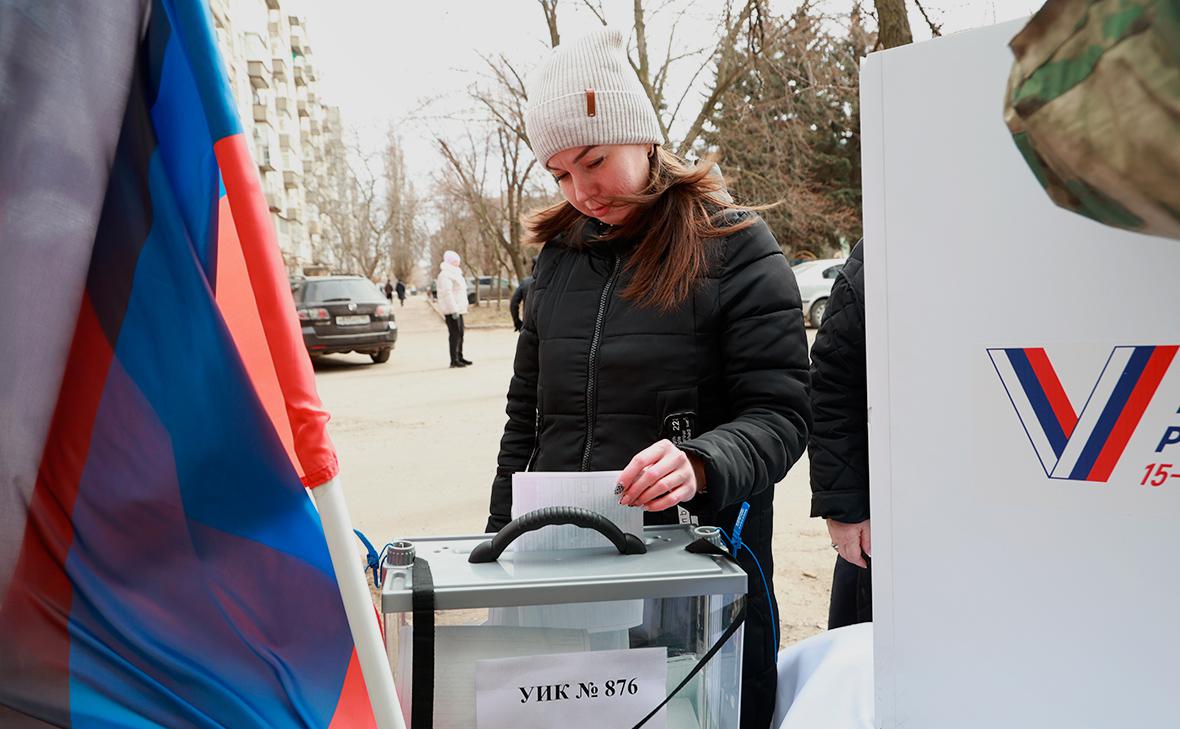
[452,302]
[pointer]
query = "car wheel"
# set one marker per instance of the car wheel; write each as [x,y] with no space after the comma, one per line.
[380,356]
[817,312]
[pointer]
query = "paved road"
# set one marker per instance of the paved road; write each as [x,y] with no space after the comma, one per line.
[418,443]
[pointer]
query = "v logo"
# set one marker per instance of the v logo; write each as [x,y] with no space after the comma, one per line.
[1083,446]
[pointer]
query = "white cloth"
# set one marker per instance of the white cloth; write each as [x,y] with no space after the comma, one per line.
[452,290]
[826,681]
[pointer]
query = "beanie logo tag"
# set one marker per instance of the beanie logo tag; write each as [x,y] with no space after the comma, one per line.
[591,107]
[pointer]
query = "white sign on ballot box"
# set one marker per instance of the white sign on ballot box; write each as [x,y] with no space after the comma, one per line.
[573,690]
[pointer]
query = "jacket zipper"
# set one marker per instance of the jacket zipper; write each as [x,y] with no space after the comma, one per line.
[592,374]
[536,439]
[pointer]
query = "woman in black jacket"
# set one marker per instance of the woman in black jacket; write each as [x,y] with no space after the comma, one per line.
[663,334]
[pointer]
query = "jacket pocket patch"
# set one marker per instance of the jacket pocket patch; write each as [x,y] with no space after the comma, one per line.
[679,427]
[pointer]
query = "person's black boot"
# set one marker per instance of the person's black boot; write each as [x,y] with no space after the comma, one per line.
[458,364]
[465,362]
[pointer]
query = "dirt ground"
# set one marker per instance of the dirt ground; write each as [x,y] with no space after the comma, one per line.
[418,443]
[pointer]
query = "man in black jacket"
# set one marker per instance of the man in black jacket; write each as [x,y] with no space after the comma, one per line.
[520,298]
[839,443]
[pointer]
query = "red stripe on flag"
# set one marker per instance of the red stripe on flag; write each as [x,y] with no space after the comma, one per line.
[1137,403]
[353,709]
[238,308]
[1054,392]
[35,615]
[276,311]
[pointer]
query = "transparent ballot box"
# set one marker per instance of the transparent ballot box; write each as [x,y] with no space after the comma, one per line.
[591,633]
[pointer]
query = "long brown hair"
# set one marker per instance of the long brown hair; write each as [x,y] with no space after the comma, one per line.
[674,215]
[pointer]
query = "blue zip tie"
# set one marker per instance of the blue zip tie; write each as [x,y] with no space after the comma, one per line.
[736,547]
[738,526]
[371,557]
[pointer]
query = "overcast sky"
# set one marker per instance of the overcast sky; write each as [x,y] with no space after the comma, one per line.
[382,61]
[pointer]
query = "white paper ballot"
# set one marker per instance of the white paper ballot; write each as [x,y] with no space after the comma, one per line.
[593,490]
[572,691]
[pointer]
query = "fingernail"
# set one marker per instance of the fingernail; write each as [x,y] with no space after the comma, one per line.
[618,488]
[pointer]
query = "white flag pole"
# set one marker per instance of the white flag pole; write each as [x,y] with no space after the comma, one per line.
[358,605]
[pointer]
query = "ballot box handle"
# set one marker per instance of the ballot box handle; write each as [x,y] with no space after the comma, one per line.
[491,550]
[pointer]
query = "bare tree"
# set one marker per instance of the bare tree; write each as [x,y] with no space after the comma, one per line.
[490,178]
[789,131]
[893,23]
[359,219]
[406,239]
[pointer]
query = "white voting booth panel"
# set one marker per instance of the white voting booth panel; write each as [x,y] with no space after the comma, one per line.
[1025,494]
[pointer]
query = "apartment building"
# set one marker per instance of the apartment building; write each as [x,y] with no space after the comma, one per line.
[271,68]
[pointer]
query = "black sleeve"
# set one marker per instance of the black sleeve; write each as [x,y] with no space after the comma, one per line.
[764,352]
[839,445]
[520,432]
[514,305]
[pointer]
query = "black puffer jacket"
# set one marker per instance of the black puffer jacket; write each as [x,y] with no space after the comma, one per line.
[839,445]
[598,378]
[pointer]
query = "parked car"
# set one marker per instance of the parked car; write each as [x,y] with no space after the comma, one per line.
[487,288]
[341,314]
[815,285]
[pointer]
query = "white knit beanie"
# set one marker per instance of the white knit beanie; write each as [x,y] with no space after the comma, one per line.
[587,93]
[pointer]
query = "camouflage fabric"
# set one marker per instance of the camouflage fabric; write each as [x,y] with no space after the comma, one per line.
[1093,104]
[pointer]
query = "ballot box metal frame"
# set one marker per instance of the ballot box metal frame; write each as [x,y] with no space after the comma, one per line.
[569,576]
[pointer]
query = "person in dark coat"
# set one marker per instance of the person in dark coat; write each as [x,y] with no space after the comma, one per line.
[388,289]
[663,333]
[400,288]
[519,299]
[839,444]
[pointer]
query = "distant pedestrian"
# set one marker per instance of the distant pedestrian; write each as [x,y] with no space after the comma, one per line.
[517,304]
[839,444]
[389,289]
[401,292]
[452,302]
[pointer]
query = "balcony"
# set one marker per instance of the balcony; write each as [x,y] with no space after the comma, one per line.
[294,214]
[272,4]
[293,162]
[259,74]
[297,40]
[283,105]
[274,196]
[285,144]
[262,114]
[262,155]
[278,67]
[291,178]
[303,107]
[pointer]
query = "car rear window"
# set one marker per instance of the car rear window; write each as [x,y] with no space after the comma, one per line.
[345,289]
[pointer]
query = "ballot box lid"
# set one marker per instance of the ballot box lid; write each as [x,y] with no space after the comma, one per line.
[563,576]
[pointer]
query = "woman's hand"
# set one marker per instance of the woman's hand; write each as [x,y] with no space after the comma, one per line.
[660,476]
[853,542]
